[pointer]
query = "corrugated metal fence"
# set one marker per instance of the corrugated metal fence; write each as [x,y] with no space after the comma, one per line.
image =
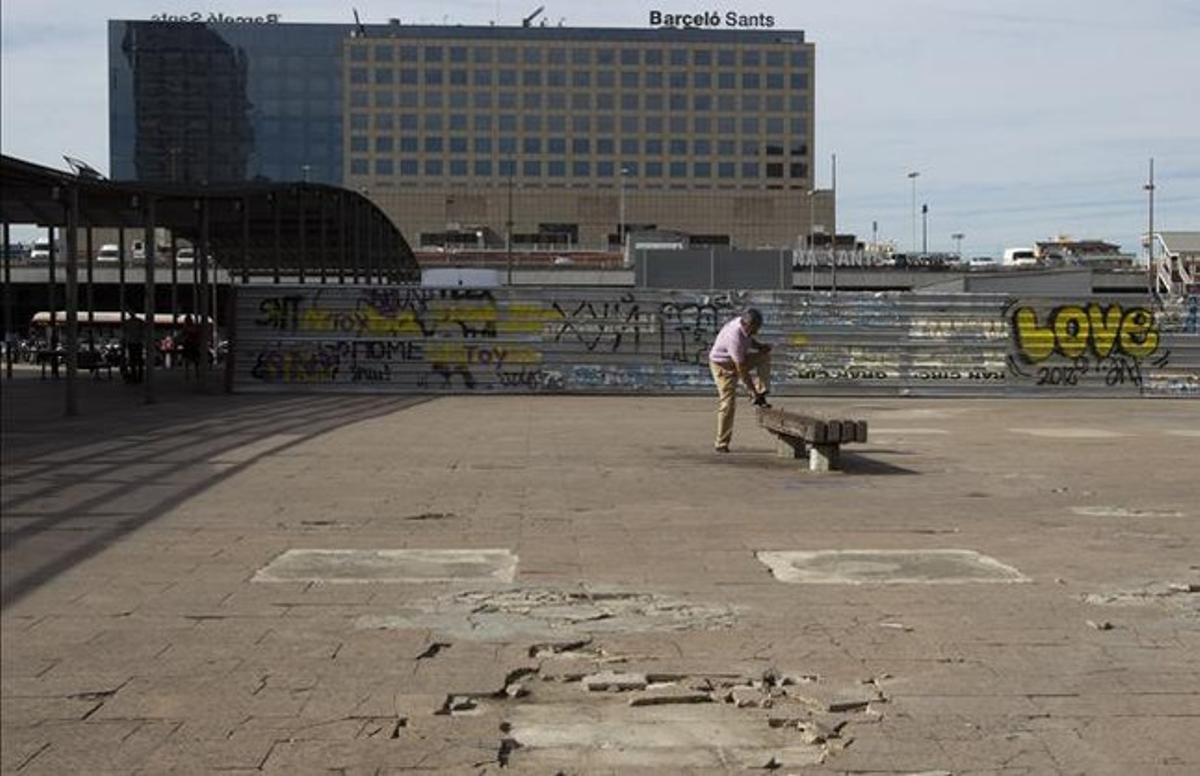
[573,340]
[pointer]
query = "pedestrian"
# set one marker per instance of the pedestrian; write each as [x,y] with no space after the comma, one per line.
[736,356]
[189,342]
[135,352]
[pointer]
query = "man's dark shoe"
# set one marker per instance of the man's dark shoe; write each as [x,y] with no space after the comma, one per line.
[721,449]
[760,400]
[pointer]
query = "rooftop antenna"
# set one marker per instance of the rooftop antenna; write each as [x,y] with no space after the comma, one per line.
[82,169]
[362,31]
[528,20]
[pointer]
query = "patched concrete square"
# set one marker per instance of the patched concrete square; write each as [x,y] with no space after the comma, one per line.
[856,567]
[408,566]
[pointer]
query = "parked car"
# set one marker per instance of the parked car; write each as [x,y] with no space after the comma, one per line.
[109,253]
[981,263]
[185,257]
[41,250]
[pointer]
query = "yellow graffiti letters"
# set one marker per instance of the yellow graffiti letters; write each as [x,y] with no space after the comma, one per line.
[1105,325]
[1035,342]
[1073,331]
[1139,337]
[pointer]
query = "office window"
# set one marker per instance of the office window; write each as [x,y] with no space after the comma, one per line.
[775,81]
[433,76]
[458,145]
[750,81]
[458,168]
[702,102]
[749,148]
[798,103]
[799,170]
[630,56]
[409,54]
[678,169]
[799,149]
[751,58]
[604,169]
[557,56]
[798,58]
[556,101]
[458,77]
[556,169]
[506,100]
[750,103]
[653,56]
[433,53]
[629,101]
[581,145]
[654,147]
[358,121]
[483,122]
[531,56]
[532,145]
[702,125]
[605,56]
[604,146]
[507,145]
[629,146]
[384,144]
[458,100]
[483,145]
[629,168]
[749,125]
[726,58]
[483,167]
[629,125]
[605,124]
[581,124]
[679,57]
[556,123]
[358,53]
[433,122]
[798,126]
[433,167]
[702,80]
[678,102]
[581,101]
[726,102]
[775,103]
[581,56]
[654,124]
[531,77]
[508,167]
[799,80]
[774,170]
[408,167]
[433,99]
[458,53]
[726,80]
[749,169]
[359,143]
[606,79]
[653,102]
[483,77]
[605,101]
[531,168]
[678,125]
[701,147]
[629,79]
[677,80]
[507,122]
[581,78]
[506,77]
[702,58]
[654,79]
[702,170]
[359,167]
[408,121]
[556,145]
[581,169]
[383,75]
[532,100]
[556,78]
[358,75]
[531,122]
[678,147]
[433,144]
[726,170]
[726,125]
[506,56]
[774,125]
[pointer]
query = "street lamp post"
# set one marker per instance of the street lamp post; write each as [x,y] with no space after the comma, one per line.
[958,238]
[912,176]
[812,248]
[1149,188]
[924,228]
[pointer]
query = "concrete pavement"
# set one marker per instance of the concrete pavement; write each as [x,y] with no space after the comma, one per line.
[161,615]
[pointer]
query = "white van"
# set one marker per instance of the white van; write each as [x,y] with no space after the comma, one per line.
[109,253]
[1019,257]
[41,250]
[185,256]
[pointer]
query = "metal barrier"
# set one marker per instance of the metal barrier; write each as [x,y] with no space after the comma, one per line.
[575,340]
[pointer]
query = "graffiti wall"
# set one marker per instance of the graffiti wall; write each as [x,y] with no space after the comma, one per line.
[551,340]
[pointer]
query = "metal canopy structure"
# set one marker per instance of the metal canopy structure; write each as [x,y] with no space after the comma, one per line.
[294,232]
[303,231]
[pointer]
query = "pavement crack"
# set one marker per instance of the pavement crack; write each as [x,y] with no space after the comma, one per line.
[433,649]
[31,757]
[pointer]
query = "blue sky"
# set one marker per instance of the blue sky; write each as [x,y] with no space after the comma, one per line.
[1026,119]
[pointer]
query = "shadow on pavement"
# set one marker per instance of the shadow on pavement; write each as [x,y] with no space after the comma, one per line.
[74,486]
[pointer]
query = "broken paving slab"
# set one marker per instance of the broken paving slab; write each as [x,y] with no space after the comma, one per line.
[856,567]
[591,737]
[414,566]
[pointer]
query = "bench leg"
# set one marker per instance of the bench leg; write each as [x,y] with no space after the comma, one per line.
[786,448]
[823,458]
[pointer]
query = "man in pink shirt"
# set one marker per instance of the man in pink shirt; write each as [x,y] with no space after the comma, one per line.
[735,356]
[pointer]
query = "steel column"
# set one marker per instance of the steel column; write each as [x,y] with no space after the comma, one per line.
[151,249]
[72,295]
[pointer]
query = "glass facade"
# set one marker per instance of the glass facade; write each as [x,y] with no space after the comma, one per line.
[229,102]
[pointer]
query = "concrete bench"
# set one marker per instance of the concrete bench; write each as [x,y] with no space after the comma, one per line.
[818,439]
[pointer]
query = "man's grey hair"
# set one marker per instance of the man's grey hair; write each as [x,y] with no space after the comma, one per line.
[752,317]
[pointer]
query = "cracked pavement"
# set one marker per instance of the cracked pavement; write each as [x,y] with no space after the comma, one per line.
[138,635]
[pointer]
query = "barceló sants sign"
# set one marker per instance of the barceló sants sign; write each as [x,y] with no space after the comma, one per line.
[712,19]
[216,18]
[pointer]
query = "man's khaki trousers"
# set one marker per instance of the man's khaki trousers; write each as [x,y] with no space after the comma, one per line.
[726,378]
